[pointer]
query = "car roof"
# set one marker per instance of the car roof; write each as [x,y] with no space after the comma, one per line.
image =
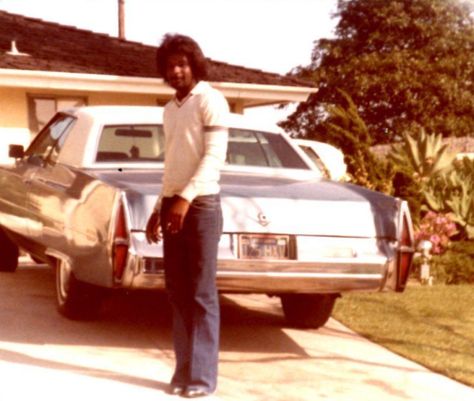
[104,115]
[119,114]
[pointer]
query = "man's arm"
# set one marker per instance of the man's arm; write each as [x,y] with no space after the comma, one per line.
[214,112]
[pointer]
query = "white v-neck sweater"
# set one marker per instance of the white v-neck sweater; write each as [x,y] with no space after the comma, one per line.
[195,143]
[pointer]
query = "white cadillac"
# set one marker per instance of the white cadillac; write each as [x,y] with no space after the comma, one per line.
[80,195]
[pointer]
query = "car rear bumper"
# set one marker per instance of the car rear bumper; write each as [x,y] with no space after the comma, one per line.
[273,277]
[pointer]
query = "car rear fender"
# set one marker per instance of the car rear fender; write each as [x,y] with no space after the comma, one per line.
[402,249]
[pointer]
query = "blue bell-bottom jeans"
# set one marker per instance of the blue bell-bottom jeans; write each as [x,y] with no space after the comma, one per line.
[190,262]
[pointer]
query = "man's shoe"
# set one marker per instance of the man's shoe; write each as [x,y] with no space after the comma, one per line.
[195,393]
[176,390]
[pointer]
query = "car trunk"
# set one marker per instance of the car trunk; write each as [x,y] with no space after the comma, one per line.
[276,204]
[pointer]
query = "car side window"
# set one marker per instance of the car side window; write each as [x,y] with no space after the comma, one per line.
[50,139]
[243,148]
[316,160]
[255,148]
[137,143]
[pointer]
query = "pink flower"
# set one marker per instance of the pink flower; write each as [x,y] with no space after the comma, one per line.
[436,228]
[435,239]
[430,215]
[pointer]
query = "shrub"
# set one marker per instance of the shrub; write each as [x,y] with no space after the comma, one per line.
[437,228]
[409,189]
[417,160]
[456,265]
[423,155]
[452,192]
[346,129]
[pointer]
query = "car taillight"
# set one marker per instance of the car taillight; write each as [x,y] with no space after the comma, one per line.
[405,254]
[120,244]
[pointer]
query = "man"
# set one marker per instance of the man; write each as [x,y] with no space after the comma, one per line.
[188,213]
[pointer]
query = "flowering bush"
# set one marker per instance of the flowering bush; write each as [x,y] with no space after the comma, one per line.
[437,228]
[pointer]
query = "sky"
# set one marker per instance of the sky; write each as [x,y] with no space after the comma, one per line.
[270,35]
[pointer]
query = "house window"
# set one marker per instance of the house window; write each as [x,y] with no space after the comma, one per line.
[41,108]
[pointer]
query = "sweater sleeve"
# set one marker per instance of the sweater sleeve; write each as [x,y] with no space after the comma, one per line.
[214,112]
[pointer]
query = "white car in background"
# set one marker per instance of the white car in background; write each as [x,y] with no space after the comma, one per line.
[328,158]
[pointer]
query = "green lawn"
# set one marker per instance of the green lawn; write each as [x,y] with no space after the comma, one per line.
[433,326]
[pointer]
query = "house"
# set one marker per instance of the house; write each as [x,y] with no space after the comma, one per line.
[45,67]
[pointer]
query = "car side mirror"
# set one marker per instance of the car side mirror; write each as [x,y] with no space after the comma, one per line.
[16,151]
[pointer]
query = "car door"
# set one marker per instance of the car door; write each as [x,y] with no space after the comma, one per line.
[48,181]
[14,183]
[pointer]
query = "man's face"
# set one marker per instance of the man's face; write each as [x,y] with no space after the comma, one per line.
[179,73]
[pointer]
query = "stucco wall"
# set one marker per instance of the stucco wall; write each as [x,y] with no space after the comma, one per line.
[13,108]
[95,99]
[14,104]
[14,127]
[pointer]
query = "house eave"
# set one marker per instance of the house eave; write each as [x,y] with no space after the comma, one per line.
[262,95]
[241,95]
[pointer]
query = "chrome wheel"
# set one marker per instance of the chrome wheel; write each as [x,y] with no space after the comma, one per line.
[75,299]
[63,278]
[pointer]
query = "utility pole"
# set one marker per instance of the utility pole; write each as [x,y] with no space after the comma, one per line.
[121,18]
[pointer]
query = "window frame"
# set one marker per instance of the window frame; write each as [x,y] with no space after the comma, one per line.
[33,123]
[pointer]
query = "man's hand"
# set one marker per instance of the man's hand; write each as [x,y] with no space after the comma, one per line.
[153,229]
[176,214]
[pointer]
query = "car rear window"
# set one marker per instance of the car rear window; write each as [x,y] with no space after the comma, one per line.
[135,143]
[145,143]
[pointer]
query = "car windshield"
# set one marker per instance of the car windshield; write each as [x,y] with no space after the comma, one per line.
[145,143]
[51,138]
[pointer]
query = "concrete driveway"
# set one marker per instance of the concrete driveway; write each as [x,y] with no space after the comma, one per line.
[127,353]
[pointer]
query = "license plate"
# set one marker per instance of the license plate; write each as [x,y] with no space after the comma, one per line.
[264,246]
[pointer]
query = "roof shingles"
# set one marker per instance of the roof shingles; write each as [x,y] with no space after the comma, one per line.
[55,47]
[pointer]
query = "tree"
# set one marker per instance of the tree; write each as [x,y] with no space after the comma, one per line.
[405,64]
[347,130]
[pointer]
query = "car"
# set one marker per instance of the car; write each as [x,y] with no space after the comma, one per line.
[10,136]
[79,197]
[327,158]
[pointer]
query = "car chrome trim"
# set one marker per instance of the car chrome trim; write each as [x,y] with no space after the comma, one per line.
[301,275]
[368,265]
[274,282]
